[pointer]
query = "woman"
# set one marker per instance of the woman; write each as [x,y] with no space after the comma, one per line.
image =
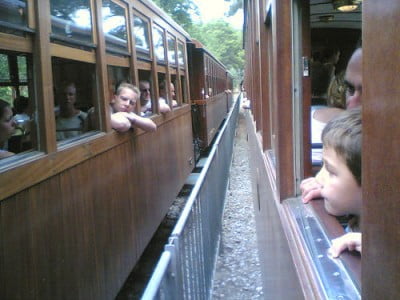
[7,127]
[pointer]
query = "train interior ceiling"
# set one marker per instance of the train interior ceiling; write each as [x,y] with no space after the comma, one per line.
[333,28]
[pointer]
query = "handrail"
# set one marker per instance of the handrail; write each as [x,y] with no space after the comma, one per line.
[182,220]
[156,279]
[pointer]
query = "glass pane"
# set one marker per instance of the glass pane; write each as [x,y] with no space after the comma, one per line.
[6,93]
[171,51]
[141,32]
[181,57]
[4,68]
[71,19]
[75,98]
[158,40]
[13,12]
[22,72]
[24,91]
[114,26]
[22,136]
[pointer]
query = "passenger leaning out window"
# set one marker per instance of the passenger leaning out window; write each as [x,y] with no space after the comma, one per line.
[123,104]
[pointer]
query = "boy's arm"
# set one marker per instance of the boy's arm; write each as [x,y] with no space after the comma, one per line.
[145,124]
[120,121]
[350,241]
[311,187]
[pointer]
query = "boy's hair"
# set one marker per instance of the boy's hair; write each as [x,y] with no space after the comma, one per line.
[126,85]
[343,134]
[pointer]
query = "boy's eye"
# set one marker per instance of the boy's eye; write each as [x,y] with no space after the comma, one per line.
[125,99]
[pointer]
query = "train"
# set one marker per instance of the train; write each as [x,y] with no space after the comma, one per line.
[281,38]
[76,214]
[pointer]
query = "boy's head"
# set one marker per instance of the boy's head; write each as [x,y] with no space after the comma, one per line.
[341,139]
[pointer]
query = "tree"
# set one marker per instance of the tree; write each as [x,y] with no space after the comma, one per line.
[180,10]
[235,5]
[230,52]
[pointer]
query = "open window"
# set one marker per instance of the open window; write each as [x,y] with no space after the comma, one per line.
[16,88]
[75,94]
[147,93]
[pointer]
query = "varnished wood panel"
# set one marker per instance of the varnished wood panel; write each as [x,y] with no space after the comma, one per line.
[381,155]
[78,234]
[279,274]
[282,76]
[211,113]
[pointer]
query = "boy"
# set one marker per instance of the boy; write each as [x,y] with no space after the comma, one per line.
[341,190]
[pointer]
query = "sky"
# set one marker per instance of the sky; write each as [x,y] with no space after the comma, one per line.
[215,9]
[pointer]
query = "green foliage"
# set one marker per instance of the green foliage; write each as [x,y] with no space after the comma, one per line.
[180,10]
[225,43]
[219,37]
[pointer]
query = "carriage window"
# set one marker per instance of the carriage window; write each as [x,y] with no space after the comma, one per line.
[13,13]
[15,69]
[141,30]
[75,93]
[71,20]
[147,93]
[114,26]
[174,92]
[116,75]
[181,55]
[184,90]
[171,50]
[159,46]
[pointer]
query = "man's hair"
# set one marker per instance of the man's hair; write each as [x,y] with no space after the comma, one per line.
[343,134]
[3,105]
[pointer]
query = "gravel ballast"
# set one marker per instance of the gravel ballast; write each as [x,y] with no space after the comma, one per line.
[238,270]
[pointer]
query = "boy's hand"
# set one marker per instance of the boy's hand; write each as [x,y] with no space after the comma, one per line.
[350,241]
[310,189]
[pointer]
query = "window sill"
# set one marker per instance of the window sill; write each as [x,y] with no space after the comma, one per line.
[310,231]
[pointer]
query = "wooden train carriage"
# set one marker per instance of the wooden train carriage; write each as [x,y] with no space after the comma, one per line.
[208,88]
[279,38]
[76,213]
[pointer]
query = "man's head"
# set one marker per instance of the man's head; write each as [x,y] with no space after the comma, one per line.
[68,97]
[353,80]
[145,92]
[172,89]
[163,90]
[341,140]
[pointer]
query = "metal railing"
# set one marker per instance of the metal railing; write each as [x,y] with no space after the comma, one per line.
[186,266]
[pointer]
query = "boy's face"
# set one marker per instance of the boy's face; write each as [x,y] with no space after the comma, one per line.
[341,192]
[125,101]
